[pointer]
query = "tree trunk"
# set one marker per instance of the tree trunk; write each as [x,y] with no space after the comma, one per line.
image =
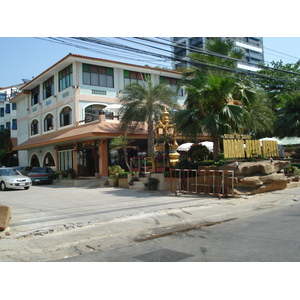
[167,154]
[150,138]
[216,153]
[126,159]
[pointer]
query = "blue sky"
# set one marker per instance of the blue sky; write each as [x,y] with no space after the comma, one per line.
[27,57]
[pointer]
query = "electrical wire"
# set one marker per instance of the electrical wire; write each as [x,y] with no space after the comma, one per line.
[145,55]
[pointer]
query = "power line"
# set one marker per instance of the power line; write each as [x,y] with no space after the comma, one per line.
[142,53]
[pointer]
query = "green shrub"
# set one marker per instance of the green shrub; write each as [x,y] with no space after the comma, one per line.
[114,172]
[123,174]
[198,152]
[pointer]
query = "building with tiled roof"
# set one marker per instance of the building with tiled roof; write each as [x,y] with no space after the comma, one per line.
[68,114]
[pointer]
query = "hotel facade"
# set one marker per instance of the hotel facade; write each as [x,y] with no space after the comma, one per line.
[67,115]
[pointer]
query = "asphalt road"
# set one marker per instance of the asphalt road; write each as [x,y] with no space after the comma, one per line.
[50,207]
[270,236]
[54,223]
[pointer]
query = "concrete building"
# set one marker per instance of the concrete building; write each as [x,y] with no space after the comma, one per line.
[253,47]
[67,115]
[8,110]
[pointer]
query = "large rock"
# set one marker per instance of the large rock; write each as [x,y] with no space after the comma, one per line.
[4,217]
[258,177]
[257,167]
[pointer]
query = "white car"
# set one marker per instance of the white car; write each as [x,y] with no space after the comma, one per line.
[12,179]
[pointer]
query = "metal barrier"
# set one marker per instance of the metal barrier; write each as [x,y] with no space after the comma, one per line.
[206,182]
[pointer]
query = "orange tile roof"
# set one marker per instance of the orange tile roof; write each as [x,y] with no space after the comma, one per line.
[89,131]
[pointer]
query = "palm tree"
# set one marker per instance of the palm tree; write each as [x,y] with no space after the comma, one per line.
[218,101]
[144,104]
[220,52]
[288,115]
[259,117]
[121,143]
[215,105]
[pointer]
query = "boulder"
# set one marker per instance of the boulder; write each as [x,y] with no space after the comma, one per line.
[258,176]
[4,217]
[257,167]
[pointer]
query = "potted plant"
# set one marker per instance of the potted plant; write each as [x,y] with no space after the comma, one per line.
[60,174]
[114,172]
[70,173]
[296,173]
[153,183]
[123,179]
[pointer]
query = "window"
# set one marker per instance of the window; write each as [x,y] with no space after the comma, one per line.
[35,95]
[14,124]
[14,106]
[34,127]
[8,125]
[3,96]
[135,77]
[1,127]
[92,112]
[2,112]
[65,78]
[48,88]
[49,160]
[97,75]
[173,82]
[48,122]
[66,116]
[7,108]
[65,159]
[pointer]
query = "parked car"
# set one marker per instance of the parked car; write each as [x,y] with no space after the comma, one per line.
[24,170]
[11,178]
[41,175]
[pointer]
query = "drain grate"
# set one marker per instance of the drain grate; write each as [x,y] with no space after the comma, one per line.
[162,255]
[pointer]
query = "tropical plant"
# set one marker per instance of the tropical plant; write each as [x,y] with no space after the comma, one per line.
[220,52]
[198,153]
[153,183]
[4,145]
[259,117]
[123,175]
[211,106]
[219,100]
[144,104]
[114,172]
[288,115]
[278,78]
[121,143]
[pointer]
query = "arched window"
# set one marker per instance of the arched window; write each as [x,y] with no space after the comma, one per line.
[92,112]
[66,116]
[49,160]
[34,127]
[48,122]
[34,161]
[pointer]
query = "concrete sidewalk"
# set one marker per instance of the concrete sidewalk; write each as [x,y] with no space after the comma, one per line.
[51,222]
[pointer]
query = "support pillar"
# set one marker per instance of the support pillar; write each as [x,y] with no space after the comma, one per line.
[103,159]
[75,156]
[56,158]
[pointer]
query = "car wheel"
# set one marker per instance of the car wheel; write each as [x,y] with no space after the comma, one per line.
[3,186]
[26,188]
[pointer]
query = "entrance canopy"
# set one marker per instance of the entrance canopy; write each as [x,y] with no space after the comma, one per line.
[89,131]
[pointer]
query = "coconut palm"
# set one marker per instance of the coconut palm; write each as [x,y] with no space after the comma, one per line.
[144,104]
